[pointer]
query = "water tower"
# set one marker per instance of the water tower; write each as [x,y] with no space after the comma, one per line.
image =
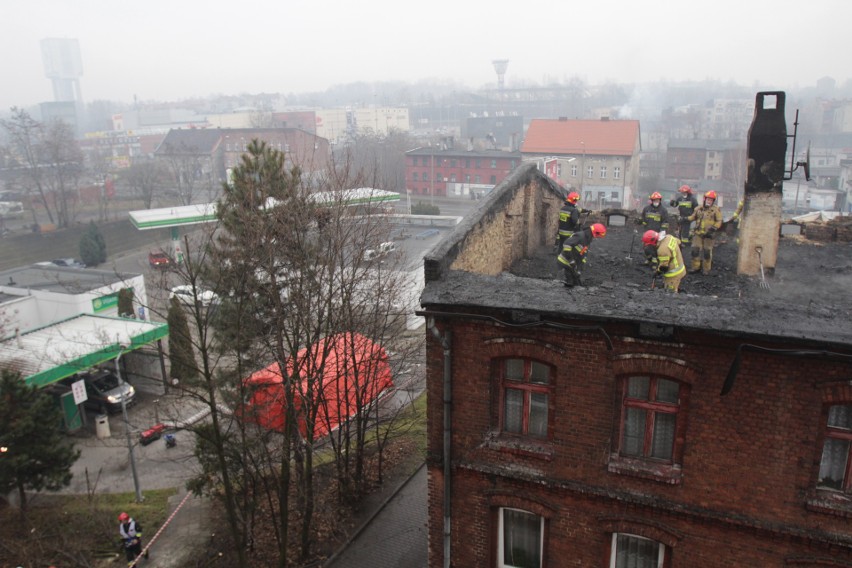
[64,67]
[500,65]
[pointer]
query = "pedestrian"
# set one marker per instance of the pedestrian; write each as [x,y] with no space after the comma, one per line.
[573,255]
[686,204]
[708,220]
[569,218]
[669,257]
[654,218]
[131,535]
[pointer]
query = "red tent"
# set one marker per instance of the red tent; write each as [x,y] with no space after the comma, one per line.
[342,373]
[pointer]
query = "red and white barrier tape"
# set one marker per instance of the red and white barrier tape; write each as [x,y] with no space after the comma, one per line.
[157,534]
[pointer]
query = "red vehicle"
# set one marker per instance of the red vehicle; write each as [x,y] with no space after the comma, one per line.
[159,259]
[350,371]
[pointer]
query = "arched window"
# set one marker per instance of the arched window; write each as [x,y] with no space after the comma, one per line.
[521,539]
[834,466]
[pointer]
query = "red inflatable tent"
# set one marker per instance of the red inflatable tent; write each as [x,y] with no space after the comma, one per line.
[349,371]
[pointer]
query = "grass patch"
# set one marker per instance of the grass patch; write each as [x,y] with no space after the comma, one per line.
[71,530]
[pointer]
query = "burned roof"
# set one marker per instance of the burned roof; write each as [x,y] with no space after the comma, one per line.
[502,258]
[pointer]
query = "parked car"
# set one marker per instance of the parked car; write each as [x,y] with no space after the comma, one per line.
[384,249]
[184,293]
[68,262]
[104,390]
[159,259]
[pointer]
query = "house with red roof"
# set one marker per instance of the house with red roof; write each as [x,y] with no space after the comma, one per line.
[599,159]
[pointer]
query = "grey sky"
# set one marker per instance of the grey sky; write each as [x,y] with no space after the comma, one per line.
[171,50]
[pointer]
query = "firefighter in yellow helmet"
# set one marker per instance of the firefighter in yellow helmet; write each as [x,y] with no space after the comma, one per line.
[669,258]
[708,220]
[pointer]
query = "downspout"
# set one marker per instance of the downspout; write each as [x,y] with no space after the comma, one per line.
[446,342]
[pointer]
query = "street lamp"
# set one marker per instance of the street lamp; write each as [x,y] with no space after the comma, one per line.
[139,497]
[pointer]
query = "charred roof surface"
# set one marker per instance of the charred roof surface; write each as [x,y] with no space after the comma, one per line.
[809,296]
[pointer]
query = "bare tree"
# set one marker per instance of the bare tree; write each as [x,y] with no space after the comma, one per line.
[288,263]
[145,179]
[52,160]
[186,167]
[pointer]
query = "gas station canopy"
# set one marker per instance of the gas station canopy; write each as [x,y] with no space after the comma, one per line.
[49,354]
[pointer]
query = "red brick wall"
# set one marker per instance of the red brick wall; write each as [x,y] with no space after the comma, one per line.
[749,459]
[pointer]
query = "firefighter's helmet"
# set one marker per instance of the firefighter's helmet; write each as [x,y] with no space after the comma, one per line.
[710,195]
[656,195]
[598,230]
[685,189]
[573,198]
[123,517]
[650,237]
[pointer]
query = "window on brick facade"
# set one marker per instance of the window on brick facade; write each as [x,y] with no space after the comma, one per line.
[478,164]
[526,390]
[414,161]
[425,176]
[631,551]
[414,176]
[453,178]
[493,163]
[650,407]
[467,163]
[452,163]
[521,539]
[477,179]
[834,466]
[493,180]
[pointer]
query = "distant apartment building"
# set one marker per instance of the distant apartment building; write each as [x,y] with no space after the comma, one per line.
[448,171]
[705,164]
[337,124]
[597,158]
[494,132]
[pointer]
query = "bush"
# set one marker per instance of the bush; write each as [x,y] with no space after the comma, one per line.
[421,208]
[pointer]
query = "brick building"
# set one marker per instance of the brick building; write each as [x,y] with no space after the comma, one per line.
[447,171]
[616,425]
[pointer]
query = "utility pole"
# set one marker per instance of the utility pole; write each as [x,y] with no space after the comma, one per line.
[139,497]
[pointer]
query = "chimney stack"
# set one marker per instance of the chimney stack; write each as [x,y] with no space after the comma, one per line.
[760,220]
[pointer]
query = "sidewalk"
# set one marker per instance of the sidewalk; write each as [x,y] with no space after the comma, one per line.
[394,534]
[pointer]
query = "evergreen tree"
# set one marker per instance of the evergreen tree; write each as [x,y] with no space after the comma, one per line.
[181,353]
[92,246]
[125,303]
[34,454]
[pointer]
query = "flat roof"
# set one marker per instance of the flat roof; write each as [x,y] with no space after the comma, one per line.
[51,353]
[66,280]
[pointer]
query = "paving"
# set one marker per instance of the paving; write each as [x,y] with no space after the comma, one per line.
[396,536]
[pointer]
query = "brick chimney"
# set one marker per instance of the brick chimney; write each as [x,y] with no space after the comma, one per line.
[760,221]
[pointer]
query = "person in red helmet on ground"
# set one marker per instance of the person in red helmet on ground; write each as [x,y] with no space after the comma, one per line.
[131,534]
[573,254]
[569,218]
[654,218]
[686,204]
[669,258]
[708,220]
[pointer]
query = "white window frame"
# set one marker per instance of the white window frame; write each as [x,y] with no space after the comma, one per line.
[590,171]
[573,171]
[501,563]
[603,172]
[661,557]
[616,173]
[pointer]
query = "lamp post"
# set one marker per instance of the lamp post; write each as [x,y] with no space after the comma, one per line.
[139,496]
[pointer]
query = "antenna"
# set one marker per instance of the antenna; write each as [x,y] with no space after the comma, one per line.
[794,165]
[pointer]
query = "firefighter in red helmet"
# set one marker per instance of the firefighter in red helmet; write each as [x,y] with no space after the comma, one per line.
[131,534]
[573,255]
[569,218]
[708,220]
[669,258]
[686,204]
[655,218]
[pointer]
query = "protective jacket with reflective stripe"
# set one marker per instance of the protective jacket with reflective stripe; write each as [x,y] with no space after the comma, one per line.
[670,256]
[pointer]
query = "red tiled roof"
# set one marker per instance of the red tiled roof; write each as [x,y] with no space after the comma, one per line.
[598,137]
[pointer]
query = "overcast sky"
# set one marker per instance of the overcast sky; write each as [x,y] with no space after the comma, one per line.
[177,49]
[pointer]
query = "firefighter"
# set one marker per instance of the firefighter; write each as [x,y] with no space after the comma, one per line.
[669,256]
[569,218]
[654,218]
[573,254]
[686,204]
[708,220]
